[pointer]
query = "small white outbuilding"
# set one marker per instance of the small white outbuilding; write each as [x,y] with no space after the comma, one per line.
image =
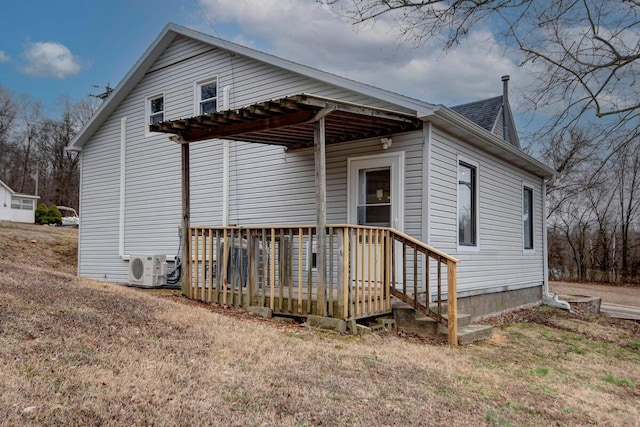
[16,207]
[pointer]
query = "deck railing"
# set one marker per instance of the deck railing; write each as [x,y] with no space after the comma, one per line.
[275,267]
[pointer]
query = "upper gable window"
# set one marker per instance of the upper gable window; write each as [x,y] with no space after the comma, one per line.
[207,96]
[156,109]
[153,111]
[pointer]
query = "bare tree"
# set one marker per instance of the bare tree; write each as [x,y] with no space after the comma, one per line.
[628,189]
[584,53]
[8,111]
[575,156]
[58,166]
[600,200]
[20,147]
[32,147]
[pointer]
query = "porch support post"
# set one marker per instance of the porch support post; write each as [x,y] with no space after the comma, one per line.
[452,302]
[321,212]
[185,272]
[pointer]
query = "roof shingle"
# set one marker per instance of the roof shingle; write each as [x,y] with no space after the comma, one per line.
[483,113]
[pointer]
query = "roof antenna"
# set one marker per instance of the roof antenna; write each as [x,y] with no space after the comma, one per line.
[104,95]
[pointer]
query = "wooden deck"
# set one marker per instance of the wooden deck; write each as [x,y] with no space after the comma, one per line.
[277,267]
[289,302]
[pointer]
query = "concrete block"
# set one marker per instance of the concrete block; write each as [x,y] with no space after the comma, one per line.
[463,320]
[404,315]
[583,302]
[425,327]
[321,322]
[472,333]
[352,325]
[363,330]
[389,324]
[261,311]
[377,327]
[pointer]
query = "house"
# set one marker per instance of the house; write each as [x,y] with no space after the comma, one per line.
[16,207]
[305,192]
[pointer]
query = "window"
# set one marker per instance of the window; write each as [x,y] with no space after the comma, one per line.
[207,96]
[374,197]
[467,205]
[155,109]
[25,204]
[527,217]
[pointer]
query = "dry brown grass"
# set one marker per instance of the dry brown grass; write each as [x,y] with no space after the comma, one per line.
[79,352]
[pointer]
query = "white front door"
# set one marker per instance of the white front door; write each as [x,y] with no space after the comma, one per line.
[375,195]
[375,198]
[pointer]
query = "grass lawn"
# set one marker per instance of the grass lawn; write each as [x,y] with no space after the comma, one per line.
[81,352]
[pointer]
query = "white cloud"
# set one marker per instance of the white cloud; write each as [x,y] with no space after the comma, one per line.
[49,59]
[4,57]
[306,32]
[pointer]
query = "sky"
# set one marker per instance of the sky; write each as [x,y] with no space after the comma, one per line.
[55,49]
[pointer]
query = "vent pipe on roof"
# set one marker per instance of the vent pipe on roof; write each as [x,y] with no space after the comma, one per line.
[505,87]
[505,101]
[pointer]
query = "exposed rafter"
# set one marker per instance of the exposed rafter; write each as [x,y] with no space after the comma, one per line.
[289,122]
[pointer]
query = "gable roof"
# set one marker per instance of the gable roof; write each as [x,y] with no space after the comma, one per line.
[171,31]
[13,193]
[422,110]
[7,187]
[483,112]
[487,113]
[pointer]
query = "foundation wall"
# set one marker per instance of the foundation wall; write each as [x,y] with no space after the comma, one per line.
[491,303]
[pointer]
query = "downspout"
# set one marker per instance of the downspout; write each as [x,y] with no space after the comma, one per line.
[547,298]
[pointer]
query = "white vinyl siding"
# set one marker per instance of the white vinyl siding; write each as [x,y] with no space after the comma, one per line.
[271,186]
[267,184]
[499,263]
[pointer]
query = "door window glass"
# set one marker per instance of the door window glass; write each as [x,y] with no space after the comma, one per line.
[374,197]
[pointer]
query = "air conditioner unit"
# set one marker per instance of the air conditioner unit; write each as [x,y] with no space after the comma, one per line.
[148,270]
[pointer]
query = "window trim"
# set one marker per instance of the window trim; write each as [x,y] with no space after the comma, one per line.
[147,111]
[460,159]
[528,186]
[196,93]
